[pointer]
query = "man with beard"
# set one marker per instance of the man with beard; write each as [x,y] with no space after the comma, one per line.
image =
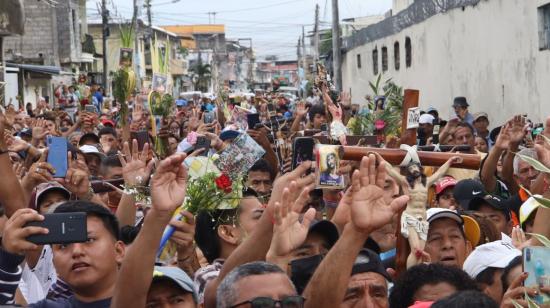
[414,224]
[330,176]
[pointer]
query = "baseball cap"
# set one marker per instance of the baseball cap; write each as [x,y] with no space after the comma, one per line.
[107,122]
[181,103]
[89,136]
[494,254]
[177,276]
[444,183]
[326,229]
[431,109]
[44,188]
[481,115]
[92,150]
[27,132]
[426,119]
[229,134]
[527,208]
[368,261]
[470,226]
[460,102]
[495,202]
[494,134]
[466,190]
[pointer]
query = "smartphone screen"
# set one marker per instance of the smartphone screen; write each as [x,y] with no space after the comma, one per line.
[302,150]
[64,228]
[90,108]
[252,119]
[535,262]
[208,117]
[57,155]
[142,138]
[203,143]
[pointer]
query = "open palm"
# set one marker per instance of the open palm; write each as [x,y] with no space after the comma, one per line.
[288,232]
[517,129]
[168,185]
[369,210]
[135,170]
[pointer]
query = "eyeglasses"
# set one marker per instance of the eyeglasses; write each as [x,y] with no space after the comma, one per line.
[295,301]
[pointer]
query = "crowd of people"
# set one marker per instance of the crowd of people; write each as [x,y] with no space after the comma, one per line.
[286,243]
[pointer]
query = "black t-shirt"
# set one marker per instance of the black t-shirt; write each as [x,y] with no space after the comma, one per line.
[71,302]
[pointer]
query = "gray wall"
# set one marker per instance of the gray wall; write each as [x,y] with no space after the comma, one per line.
[488,52]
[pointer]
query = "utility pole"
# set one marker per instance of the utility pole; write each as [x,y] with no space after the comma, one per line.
[336,47]
[137,60]
[105,28]
[316,34]
[299,54]
[149,16]
[304,56]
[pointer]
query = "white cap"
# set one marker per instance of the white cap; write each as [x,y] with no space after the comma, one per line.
[90,149]
[494,254]
[426,119]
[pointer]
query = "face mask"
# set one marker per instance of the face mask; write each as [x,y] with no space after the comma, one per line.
[302,270]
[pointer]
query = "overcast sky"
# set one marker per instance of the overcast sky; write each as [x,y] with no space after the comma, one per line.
[273,25]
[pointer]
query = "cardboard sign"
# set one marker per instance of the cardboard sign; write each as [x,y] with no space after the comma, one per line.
[413,117]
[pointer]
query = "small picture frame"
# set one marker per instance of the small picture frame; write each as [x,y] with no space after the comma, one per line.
[328,158]
[159,83]
[126,57]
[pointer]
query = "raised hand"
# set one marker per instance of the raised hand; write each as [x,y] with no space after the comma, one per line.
[516,293]
[301,109]
[39,172]
[184,234]
[39,130]
[299,176]
[369,210]
[345,98]
[518,129]
[168,185]
[19,170]
[76,180]
[135,170]
[14,237]
[342,215]
[288,232]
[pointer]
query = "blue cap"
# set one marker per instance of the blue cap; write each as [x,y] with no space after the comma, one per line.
[176,275]
[181,103]
[229,134]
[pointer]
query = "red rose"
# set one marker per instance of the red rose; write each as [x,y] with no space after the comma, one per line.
[224,183]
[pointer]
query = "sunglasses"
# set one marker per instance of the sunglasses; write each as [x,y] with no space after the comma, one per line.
[295,301]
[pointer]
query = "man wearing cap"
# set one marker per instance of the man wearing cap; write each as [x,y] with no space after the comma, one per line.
[88,139]
[171,287]
[481,124]
[425,128]
[527,213]
[450,236]
[496,209]
[93,158]
[485,265]
[108,139]
[368,284]
[460,106]
[444,197]
[465,190]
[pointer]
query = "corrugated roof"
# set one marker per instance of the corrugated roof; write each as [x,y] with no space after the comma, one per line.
[195,29]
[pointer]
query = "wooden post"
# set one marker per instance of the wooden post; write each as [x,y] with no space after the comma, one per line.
[411,97]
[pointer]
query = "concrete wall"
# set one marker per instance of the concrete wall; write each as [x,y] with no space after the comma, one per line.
[488,52]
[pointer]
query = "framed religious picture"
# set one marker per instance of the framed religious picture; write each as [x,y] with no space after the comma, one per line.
[126,57]
[328,159]
[160,83]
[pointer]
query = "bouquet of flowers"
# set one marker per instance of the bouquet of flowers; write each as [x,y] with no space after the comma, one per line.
[211,192]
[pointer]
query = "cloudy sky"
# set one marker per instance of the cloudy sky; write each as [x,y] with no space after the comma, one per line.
[273,25]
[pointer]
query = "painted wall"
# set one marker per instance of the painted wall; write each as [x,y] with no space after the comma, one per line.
[488,52]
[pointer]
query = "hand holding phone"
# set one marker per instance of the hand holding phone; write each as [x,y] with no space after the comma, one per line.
[202,143]
[302,150]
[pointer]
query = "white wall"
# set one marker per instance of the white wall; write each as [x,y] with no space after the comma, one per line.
[488,53]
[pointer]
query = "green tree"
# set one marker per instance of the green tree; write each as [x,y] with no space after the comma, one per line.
[203,75]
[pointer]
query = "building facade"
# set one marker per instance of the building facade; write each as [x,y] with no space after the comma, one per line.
[494,52]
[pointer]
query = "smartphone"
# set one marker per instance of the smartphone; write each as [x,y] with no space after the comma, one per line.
[90,108]
[64,228]
[252,119]
[208,117]
[535,262]
[302,150]
[57,155]
[142,138]
[324,127]
[202,143]
[99,186]
[271,109]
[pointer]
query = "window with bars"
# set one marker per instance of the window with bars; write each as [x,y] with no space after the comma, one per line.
[358,61]
[375,61]
[384,58]
[544,27]
[408,52]
[396,56]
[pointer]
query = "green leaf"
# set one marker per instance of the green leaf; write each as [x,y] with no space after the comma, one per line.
[534,163]
[541,238]
[543,201]
[516,305]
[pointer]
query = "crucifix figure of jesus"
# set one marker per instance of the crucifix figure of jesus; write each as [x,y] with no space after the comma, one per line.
[415,184]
